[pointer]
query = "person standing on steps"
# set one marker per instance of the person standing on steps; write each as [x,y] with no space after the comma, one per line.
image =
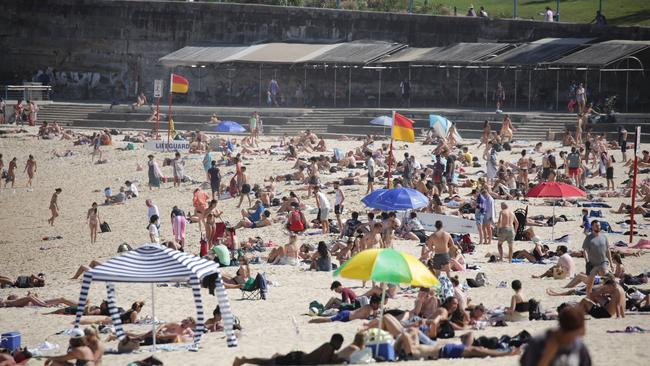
[499,94]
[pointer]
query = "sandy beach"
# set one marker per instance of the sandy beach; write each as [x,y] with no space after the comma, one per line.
[278,324]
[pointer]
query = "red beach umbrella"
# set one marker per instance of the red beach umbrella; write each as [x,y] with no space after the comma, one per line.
[555,190]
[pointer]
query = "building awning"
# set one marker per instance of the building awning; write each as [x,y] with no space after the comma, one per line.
[408,55]
[188,56]
[603,54]
[460,53]
[543,50]
[357,53]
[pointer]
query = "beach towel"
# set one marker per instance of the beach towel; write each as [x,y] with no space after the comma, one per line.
[629,329]
[594,204]
[642,244]
[178,227]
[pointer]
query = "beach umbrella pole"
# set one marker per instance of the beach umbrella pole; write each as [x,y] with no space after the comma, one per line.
[553,229]
[153,315]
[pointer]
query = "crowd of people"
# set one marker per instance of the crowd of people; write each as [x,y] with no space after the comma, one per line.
[298,203]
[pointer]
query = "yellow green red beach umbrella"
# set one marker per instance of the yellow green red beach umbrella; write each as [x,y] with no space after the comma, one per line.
[387,265]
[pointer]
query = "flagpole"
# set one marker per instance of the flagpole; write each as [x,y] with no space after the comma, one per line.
[169,115]
[390,153]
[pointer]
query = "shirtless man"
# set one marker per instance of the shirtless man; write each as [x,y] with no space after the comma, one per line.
[374,238]
[439,243]
[606,301]
[523,169]
[506,230]
[389,228]
[54,206]
[345,316]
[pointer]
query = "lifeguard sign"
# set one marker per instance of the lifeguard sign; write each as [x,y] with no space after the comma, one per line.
[157,88]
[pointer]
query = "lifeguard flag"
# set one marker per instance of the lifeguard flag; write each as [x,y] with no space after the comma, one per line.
[179,84]
[403,128]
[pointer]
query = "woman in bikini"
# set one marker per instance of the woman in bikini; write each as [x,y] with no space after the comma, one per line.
[54,206]
[241,276]
[507,129]
[130,316]
[30,168]
[93,222]
[487,131]
[11,173]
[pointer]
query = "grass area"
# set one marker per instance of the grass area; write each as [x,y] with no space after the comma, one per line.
[619,12]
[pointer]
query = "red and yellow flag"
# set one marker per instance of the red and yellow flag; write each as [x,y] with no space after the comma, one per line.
[179,84]
[403,128]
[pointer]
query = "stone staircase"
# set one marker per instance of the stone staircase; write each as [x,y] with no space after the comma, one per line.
[67,113]
[538,126]
[318,121]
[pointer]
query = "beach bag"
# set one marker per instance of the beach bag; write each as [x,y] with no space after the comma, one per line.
[316,308]
[124,247]
[104,227]
[479,281]
[535,310]
[445,330]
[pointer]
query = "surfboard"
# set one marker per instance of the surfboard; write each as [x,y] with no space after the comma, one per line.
[451,224]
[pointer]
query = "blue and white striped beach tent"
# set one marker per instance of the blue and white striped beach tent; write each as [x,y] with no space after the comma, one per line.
[153,263]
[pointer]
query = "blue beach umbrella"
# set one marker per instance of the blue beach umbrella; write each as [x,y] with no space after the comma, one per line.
[441,126]
[397,199]
[230,127]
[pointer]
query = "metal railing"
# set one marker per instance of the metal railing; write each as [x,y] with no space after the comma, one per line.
[29,91]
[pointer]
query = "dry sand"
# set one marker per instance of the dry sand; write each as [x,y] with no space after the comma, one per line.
[268,325]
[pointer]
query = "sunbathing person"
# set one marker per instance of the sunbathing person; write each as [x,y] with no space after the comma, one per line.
[564,268]
[23,281]
[102,309]
[606,301]
[408,345]
[241,276]
[84,268]
[536,255]
[348,298]
[287,255]
[14,301]
[345,316]
[130,316]
[323,355]
[166,333]
[247,223]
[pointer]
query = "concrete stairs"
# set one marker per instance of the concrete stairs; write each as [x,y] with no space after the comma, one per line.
[318,121]
[67,113]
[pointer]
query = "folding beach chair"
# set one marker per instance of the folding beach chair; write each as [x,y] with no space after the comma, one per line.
[255,289]
[521,215]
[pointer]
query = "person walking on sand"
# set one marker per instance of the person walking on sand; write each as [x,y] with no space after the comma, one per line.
[370,163]
[490,214]
[339,199]
[154,173]
[323,205]
[215,180]
[30,168]
[178,165]
[598,257]
[245,188]
[54,206]
[439,242]
[93,222]
[506,230]
[11,173]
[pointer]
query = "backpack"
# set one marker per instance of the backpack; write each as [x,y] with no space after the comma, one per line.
[295,222]
[104,227]
[595,213]
[535,310]
[446,330]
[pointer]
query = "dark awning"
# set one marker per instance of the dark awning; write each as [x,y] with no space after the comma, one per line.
[357,52]
[543,50]
[602,54]
[188,56]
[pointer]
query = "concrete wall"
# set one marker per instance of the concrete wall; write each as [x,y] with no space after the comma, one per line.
[101,49]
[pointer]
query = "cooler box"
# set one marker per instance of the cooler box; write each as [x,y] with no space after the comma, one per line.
[10,341]
[386,351]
